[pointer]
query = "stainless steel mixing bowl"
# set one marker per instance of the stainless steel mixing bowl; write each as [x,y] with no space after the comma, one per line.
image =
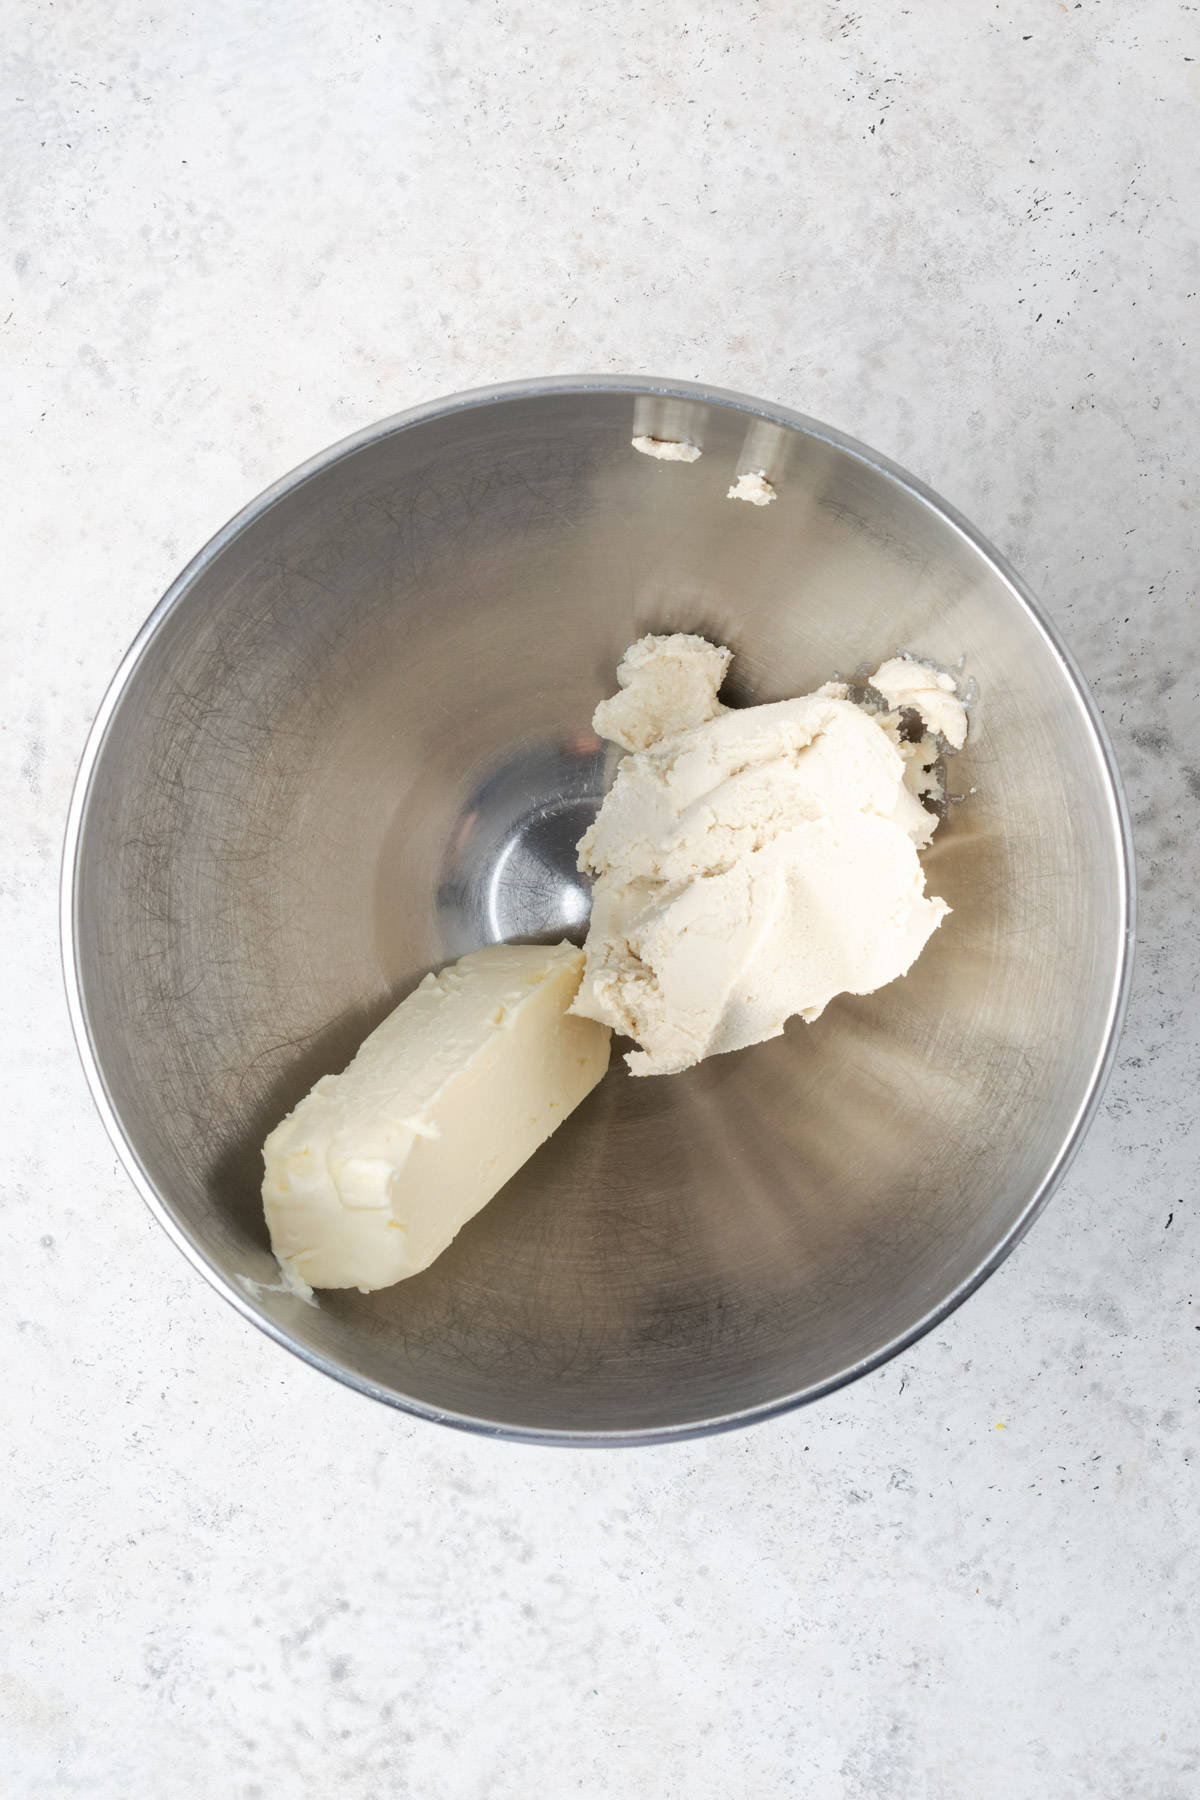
[353,740]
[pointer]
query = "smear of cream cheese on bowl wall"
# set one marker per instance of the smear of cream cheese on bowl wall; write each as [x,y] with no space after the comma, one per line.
[667,449]
[752,487]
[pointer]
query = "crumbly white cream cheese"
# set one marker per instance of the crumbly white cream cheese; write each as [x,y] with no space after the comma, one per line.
[905,682]
[666,685]
[753,487]
[377,1169]
[747,864]
[667,449]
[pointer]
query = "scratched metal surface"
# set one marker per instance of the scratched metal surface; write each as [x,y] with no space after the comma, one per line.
[359,742]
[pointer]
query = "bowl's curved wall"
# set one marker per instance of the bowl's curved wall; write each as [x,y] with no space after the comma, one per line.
[279,828]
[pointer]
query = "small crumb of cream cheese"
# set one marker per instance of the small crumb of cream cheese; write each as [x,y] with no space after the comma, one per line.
[753,487]
[667,449]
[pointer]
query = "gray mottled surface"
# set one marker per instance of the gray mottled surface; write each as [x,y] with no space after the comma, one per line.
[967,234]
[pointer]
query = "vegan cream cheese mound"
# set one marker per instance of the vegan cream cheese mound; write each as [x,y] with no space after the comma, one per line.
[377,1169]
[751,864]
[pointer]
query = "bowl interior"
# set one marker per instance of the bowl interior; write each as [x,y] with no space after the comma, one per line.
[357,742]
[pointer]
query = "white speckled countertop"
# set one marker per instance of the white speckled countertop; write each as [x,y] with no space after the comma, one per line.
[967,234]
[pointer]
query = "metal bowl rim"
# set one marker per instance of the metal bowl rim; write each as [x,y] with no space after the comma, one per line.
[499,394]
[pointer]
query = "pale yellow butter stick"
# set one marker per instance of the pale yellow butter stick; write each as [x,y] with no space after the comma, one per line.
[378,1168]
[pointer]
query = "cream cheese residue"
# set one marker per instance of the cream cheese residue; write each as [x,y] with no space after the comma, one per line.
[667,449]
[752,487]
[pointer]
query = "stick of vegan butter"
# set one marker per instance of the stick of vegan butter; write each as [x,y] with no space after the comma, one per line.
[377,1169]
